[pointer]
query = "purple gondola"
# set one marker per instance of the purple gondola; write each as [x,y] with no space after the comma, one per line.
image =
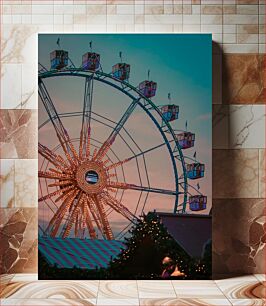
[170,112]
[186,140]
[91,61]
[121,71]
[148,88]
[59,59]
[197,202]
[195,170]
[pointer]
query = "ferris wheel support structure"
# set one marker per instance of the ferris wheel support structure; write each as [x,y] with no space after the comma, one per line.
[137,98]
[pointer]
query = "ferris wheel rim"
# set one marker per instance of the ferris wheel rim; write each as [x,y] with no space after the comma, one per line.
[101,77]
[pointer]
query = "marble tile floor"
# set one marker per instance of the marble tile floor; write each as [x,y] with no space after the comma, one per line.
[26,289]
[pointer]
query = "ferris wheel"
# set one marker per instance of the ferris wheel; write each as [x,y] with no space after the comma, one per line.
[78,179]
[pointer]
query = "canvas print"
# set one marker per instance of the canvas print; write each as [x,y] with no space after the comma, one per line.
[125,156]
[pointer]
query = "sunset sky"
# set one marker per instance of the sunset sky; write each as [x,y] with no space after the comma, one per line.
[181,66]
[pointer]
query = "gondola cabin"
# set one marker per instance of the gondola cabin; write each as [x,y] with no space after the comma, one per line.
[170,112]
[148,88]
[197,202]
[121,71]
[186,140]
[195,171]
[59,59]
[91,61]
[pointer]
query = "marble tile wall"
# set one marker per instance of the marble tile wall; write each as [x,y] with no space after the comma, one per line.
[18,234]
[23,289]
[238,28]
[241,245]
[18,129]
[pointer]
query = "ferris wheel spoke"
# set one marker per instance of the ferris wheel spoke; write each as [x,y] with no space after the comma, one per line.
[120,185]
[104,220]
[55,159]
[61,183]
[52,175]
[83,220]
[82,225]
[115,165]
[85,132]
[60,130]
[110,140]
[77,226]
[77,201]
[63,192]
[123,232]
[95,214]
[191,186]
[147,151]
[57,219]
[118,207]
[88,220]
[60,214]
[49,195]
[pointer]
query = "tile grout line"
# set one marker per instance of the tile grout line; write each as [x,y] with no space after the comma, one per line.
[138,291]
[258,173]
[175,290]
[98,289]
[221,291]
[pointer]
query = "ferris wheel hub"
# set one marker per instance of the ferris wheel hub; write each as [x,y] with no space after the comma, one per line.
[91,177]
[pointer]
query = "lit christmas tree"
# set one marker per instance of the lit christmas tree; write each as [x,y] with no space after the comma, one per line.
[145,250]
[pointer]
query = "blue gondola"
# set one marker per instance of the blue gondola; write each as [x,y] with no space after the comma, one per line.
[170,112]
[121,71]
[148,88]
[59,59]
[186,140]
[197,202]
[195,170]
[91,61]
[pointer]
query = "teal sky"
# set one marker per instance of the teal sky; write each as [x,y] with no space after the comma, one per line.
[181,64]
